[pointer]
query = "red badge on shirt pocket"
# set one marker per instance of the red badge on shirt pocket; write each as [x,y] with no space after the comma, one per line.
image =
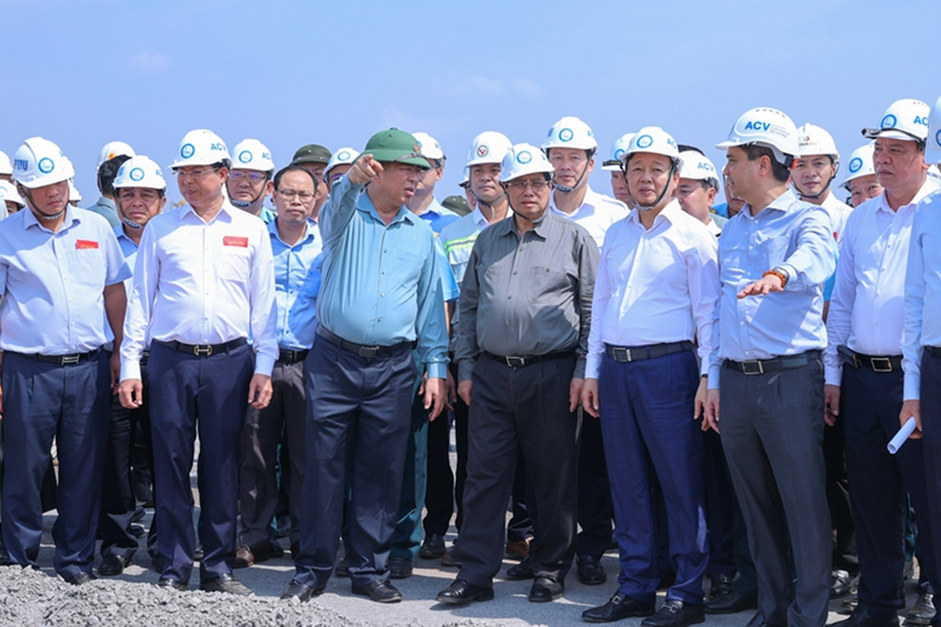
[231,240]
[85,244]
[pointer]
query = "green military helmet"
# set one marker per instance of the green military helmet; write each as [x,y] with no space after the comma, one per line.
[457,204]
[311,153]
[398,146]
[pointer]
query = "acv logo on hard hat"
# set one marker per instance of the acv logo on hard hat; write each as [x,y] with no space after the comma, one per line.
[644,141]
[856,164]
[245,156]
[566,134]
[524,157]
[706,166]
[343,155]
[889,121]
[46,165]
[187,150]
[937,137]
[136,174]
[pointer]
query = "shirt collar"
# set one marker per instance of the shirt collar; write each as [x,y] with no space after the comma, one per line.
[225,212]
[541,228]
[927,188]
[588,204]
[122,236]
[308,233]
[783,203]
[364,204]
[670,213]
[30,219]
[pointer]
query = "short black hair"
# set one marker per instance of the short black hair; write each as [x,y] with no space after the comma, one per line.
[293,168]
[686,147]
[778,169]
[107,172]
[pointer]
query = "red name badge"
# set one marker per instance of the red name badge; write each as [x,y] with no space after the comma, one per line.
[231,240]
[85,244]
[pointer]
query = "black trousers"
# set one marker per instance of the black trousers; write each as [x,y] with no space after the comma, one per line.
[512,410]
[445,490]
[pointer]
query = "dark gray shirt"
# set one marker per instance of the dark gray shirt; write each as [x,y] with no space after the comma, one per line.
[527,297]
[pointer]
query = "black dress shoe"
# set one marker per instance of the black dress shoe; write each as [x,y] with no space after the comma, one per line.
[730,602]
[224,583]
[462,592]
[399,568]
[432,547]
[922,612]
[81,578]
[841,584]
[172,584]
[675,613]
[546,588]
[862,618]
[590,571]
[618,607]
[112,565]
[138,514]
[301,592]
[521,571]
[342,568]
[380,591]
[719,584]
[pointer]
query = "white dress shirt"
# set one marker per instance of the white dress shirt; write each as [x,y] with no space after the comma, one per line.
[839,213]
[596,214]
[867,308]
[202,283]
[655,286]
[922,291]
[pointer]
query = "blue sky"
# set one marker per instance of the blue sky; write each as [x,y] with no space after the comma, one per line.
[83,72]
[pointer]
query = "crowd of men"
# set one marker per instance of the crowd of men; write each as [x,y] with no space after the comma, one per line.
[321,348]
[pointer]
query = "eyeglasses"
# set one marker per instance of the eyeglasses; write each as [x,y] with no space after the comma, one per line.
[290,194]
[539,185]
[197,173]
[254,177]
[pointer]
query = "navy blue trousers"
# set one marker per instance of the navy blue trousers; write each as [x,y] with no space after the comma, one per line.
[208,394]
[869,403]
[931,442]
[42,401]
[648,427]
[370,400]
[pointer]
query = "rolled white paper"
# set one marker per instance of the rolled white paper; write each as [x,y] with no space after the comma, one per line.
[902,436]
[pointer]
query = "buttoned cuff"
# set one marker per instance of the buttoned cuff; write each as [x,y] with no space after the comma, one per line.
[713,383]
[130,370]
[912,387]
[592,366]
[437,370]
[833,375]
[264,364]
[791,273]
[465,370]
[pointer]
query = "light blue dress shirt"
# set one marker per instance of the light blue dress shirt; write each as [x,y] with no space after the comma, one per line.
[52,284]
[292,270]
[795,236]
[438,216]
[922,292]
[381,283]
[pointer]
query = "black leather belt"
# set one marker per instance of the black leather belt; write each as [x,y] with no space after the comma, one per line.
[878,364]
[204,350]
[515,361]
[62,360]
[627,354]
[934,350]
[366,352]
[292,357]
[761,366]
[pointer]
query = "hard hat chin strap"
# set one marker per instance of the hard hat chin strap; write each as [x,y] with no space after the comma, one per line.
[28,196]
[662,194]
[566,188]
[818,195]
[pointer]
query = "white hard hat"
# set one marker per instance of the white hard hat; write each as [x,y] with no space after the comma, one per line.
[8,192]
[343,156]
[39,162]
[74,194]
[934,173]
[428,146]
[860,164]
[613,162]
[251,154]
[933,149]
[764,126]
[113,149]
[698,167]
[904,119]
[6,167]
[201,147]
[465,177]
[488,147]
[570,132]
[523,159]
[139,171]
[813,140]
[652,139]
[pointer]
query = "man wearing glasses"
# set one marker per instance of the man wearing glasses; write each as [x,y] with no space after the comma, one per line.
[249,181]
[203,283]
[296,244]
[525,312]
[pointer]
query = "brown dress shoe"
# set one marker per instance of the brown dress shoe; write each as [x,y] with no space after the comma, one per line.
[517,549]
[244,557]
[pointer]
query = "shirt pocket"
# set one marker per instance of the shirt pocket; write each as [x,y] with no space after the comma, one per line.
[546,285]
[235,264]
[408,266]
[89,267]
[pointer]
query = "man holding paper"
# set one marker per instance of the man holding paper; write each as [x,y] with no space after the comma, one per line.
[864,378]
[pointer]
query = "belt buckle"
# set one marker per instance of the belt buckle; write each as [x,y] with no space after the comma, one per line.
[368,352]
[70,360]
[750,371]
[617,353]
[515,362]
[884,364]
[201,351]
